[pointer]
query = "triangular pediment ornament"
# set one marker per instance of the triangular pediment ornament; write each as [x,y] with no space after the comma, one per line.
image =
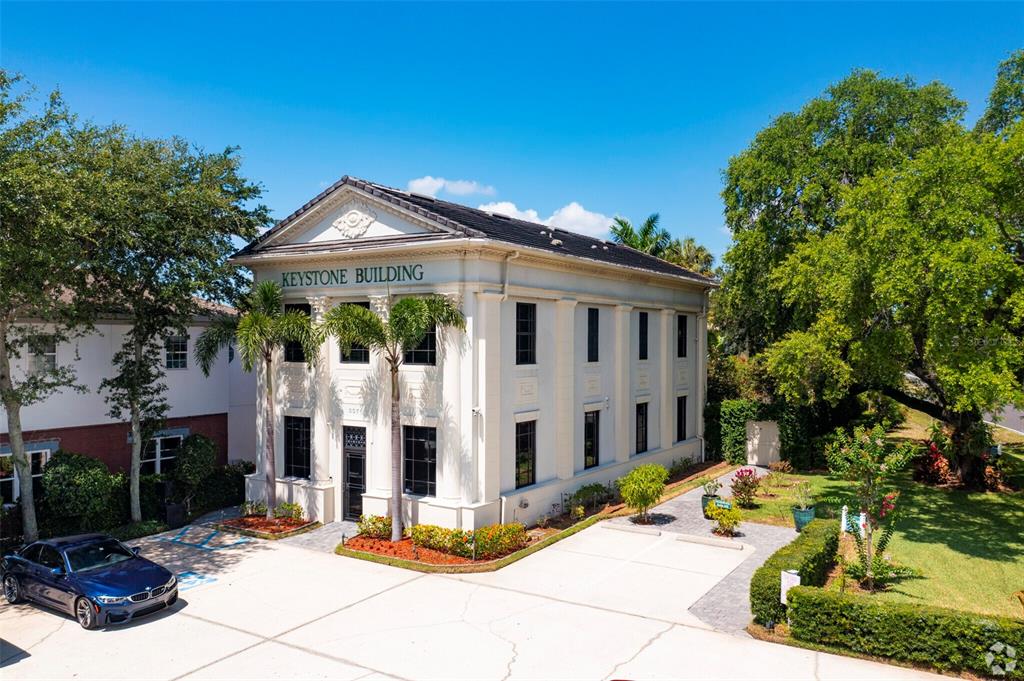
[354,222]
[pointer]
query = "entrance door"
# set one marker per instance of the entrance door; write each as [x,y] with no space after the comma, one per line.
[354,443]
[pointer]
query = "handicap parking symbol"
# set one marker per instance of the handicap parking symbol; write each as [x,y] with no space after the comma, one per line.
[190,580]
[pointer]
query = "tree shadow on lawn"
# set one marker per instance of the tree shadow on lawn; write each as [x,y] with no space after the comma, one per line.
[978,524]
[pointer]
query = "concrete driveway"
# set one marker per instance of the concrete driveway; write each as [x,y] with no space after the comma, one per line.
[603,604]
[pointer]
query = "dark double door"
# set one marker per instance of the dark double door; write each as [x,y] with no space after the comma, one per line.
[354,451]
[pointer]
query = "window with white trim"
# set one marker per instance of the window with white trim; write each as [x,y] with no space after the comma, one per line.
[160,455]
[44,355]
[176,352]
[10,481]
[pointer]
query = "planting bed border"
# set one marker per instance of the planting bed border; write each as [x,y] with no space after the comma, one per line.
[302,529]
[675,489]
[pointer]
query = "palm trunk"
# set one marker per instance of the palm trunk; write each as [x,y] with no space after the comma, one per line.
[396,458]
[269,458]
[30,529]
[136,424]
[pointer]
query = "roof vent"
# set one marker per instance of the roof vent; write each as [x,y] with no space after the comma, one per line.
[593,246]
[500,216]
[556,242]
[606,248]
[425,197]
[543,232]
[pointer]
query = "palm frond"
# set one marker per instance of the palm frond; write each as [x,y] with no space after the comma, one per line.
[266,297]
[253,336]
[355,325]
[296,327]
[219,334]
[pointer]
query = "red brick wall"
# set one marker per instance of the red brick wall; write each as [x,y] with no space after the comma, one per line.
[109,442]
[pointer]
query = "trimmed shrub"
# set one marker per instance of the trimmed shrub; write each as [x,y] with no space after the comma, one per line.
[713,431]
[812,554]
[443,539]
[257,508]
[81,494]
[224,488]
[642,487]
[728,519]
[287,509]
[375,526]
[734,417]
[196,461]
[495,541]
[136,530]
[943,638]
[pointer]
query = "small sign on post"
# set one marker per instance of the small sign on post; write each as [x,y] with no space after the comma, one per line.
[844,520]
[788,579]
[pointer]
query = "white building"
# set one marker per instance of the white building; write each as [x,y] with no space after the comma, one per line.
[214,405]
[580,360]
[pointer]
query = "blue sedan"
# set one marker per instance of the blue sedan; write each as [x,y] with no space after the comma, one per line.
[93,577]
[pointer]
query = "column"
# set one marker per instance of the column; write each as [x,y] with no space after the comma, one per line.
[318,385]
[701,374]
[565,394]
[378,435]
[622,388]
[488,445]
[467,389]
[449,470]
[667,379]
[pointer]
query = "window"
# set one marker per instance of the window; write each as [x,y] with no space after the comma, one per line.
[358,354]
[593,352]
[176,352]
[44,355]
[681,322]
[526,333]
[641,428]
[32,553]
[296,447]
[49,558]
[426,351]
[591,438]
[526,453]
[293,349]
[420,460]
[680,418]
[160,454]
[643,335]
[10,484]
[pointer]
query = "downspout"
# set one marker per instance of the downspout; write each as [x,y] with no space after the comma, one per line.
[504,284]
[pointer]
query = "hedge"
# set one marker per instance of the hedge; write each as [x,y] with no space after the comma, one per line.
[943,638]
[812,554]
[795,430]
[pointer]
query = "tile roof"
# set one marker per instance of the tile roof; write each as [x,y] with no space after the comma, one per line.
[472,222]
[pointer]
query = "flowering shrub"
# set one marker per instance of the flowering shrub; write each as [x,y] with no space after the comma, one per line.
[869,461]
[445,539]
[744,487]
[495,541]
[375,526]
[727,519]
[933,467]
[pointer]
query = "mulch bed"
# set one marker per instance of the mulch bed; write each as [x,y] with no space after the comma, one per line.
[405,550]
[258,523]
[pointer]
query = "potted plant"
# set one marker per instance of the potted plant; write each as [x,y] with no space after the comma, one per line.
[803,510]
[711,487]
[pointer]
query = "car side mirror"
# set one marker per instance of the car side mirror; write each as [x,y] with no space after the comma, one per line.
[136,550]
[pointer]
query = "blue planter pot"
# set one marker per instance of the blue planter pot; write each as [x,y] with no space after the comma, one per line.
[706,499]
[802,516]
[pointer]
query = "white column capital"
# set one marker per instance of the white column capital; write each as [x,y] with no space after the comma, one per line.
[318,305]
[381,305]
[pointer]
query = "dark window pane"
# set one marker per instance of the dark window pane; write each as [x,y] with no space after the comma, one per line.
[176,350]
[680,418]
[420,460]
[526,453]
[296,447]
[358,354]
[148,468]
[7,493]
[643,335]
[49,558]
[526,333]
[593,348]
[293,349]
[681,322]
[591,438]
[32,553]
[641,428]
[426,351]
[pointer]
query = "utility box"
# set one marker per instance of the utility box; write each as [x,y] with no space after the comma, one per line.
[763,443]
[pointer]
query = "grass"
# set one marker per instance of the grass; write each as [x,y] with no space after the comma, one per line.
[968,547]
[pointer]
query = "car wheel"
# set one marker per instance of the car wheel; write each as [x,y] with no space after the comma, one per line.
[85,614]
[12,589]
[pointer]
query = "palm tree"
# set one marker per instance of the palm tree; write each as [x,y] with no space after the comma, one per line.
[691,255]
[261,328]
[401,328]
[649,238]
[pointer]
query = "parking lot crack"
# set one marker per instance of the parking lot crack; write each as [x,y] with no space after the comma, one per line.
[642,648]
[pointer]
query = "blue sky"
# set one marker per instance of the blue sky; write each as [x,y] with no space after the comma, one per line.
[574,111]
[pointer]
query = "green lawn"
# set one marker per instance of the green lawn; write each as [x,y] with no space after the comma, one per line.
[968,547]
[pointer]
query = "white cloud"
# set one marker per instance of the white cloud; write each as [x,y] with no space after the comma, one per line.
[432,186]
[571,217]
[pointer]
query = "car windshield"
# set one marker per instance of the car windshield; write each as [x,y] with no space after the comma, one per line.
[100,554]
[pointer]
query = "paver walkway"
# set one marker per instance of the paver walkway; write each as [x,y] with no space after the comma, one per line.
[727,605]
[324,538]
